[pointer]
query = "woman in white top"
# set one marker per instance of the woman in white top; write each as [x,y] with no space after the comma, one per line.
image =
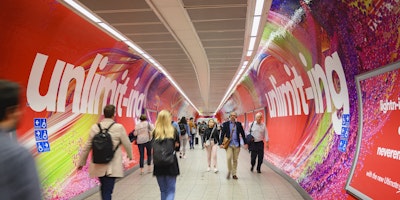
[143,132]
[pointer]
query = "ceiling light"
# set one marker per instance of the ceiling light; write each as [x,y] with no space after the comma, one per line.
[259,7]
[134,47]
[146,56]
[256,23]
[251,43]
[249,53]
[112,31]
[83,10]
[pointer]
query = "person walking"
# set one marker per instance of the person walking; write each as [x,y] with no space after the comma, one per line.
[211,141]
[202,128]
[232,129]
[184,136]
[166,174]
[143,132]
[260,133]
[192,127]
[108,172]
[19,180]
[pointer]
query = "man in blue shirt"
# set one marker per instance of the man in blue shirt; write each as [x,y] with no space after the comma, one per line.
[233,130]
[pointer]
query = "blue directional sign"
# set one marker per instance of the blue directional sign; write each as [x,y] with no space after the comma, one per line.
[41,135]
[40,123]
[342,145]
[344,133]
[345,119]
[43,146]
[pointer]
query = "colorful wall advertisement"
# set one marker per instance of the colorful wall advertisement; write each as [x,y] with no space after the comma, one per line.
[304,75]
[375,171]
[70,69]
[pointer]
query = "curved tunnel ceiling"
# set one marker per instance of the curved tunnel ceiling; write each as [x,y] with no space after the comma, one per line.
[201,44]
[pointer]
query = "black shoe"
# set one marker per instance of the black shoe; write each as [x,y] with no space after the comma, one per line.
[235,177]
[258,171]
[252,168]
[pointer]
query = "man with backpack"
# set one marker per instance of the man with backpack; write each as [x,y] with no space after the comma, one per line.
[104,141]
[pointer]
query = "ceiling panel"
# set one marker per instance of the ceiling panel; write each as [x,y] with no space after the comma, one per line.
[219,26]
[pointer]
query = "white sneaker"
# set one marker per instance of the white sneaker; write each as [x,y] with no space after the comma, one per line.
[184,157]
[215,170]
[208,169]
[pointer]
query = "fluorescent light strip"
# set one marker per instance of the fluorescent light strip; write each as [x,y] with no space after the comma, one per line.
[259,7]
[251,43]
[112,31]
[249,53]
[256,23]
[120,36]
[254,30]
[134,47]
[83,10]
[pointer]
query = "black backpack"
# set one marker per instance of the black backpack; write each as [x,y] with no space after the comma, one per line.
[182,128]
[102,146]
[163,152]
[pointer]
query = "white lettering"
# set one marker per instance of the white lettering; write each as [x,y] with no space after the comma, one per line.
[69,84]
[290,98]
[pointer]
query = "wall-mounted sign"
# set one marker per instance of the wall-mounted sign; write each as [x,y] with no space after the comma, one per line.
[375,172]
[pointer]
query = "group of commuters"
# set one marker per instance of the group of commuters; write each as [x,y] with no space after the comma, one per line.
[20,179]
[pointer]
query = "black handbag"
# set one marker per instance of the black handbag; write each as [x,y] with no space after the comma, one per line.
[250,139]
[131,136]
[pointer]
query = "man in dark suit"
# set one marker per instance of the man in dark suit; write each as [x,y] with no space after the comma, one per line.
[233,130]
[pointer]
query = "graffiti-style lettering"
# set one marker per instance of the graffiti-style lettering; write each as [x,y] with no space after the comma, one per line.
[88,90]
[290,98]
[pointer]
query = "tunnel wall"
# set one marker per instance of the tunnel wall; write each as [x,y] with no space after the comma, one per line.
[304,77]
[70,69]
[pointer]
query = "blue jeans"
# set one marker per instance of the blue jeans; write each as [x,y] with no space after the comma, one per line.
[106,187]
[141,147]
[191,141]
[167,187]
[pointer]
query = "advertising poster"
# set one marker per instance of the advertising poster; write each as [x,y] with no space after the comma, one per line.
[69,70]
[375,171]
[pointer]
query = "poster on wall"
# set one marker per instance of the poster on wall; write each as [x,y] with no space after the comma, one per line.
[374,174]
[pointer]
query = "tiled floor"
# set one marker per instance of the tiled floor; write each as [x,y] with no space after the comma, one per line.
[195,183]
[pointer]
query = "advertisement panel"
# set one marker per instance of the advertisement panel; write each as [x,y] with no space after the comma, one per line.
[374,174]
[70,69]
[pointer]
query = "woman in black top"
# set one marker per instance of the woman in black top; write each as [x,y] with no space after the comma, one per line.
[166,174]
[211,141]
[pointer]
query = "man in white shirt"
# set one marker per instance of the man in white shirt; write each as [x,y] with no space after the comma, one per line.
[260,133]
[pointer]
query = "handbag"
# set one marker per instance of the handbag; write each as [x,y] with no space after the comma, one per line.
[250,139]
[225,142]
[131,136]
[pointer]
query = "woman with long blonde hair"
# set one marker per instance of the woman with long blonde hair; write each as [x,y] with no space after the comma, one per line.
[165,134]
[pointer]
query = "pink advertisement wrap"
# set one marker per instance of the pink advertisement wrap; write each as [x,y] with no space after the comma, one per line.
[70,70]
[304,77]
